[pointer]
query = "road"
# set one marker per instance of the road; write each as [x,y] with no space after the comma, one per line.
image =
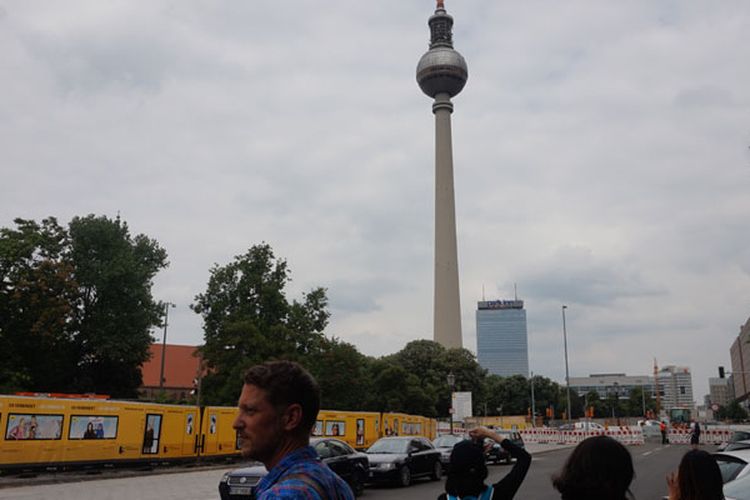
[652,462]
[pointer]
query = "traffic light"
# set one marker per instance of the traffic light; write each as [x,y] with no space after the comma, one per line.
[721,372]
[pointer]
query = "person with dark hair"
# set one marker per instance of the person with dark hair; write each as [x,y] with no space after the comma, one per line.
[90,432]
[468,469]
[698,478]
[599,468]
[695,435]
[278,408]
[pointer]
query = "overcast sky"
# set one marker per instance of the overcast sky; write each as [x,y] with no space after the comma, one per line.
[600,150]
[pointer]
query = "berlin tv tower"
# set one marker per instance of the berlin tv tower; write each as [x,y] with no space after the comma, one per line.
[441,74]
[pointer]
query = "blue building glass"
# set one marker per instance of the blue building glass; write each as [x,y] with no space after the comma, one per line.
[502,340]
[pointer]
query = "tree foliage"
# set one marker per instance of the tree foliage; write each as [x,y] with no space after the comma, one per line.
[76,308]
[248,320]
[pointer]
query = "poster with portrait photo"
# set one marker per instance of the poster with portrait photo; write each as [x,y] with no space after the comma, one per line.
[335,428]
[318,429]
[33,426]
[93,427]
[360,432]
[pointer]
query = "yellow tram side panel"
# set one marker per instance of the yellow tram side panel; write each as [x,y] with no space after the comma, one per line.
[19,444]
[357,428]
[403,424]
[217,433]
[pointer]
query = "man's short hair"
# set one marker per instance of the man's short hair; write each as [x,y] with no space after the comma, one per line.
[287,383]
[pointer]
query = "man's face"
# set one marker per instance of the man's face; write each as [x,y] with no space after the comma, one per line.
[258,423]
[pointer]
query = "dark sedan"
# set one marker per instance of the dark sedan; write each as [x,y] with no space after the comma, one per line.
[351,465]
[400,459]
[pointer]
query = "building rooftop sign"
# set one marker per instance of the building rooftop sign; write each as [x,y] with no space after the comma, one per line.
[500,304]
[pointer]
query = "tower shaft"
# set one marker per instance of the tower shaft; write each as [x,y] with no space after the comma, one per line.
[447,302]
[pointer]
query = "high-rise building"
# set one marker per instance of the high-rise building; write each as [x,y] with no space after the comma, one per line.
[720,391]
[740,356]
[677,384]
[502,338]
[441,74]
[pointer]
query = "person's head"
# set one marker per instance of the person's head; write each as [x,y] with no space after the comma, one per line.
[278,408]
[467,470]
[90,427]
[599,468]
[699,477]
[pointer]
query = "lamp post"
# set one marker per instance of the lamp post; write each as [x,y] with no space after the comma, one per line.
[567,373]
[533,402]
[451,379]
[167,305]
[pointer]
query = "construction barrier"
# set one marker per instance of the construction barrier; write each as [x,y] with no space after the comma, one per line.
[628,435]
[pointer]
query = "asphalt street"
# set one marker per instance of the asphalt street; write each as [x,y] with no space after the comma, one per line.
[652,462]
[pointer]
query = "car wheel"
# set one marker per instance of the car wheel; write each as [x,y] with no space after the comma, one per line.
[437,470]
[404,476]
[358,483]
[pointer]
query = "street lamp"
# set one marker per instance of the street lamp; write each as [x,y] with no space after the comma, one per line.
[167,305]
[567,373]
[451,379]
[533,401]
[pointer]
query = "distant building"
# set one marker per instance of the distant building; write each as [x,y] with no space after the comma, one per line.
[606,384]
[740,355]
[181,365]
[502,338]
[720,391]
[676,382]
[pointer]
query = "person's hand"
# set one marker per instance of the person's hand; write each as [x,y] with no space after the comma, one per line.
[674,489]
[478,433]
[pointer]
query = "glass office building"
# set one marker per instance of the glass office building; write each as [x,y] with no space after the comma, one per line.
[502,340]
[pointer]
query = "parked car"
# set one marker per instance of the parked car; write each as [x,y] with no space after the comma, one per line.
[400,459]
[650,428]
[444,444]
[733,464]
[738,440]
[496,453]
[739,489]
[352,466]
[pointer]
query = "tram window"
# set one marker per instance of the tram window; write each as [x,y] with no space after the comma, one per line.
[189,424]
[335,428]
[237,441]
[418,429]
[318,429]
[212,425]
[151,434]
[33,426]
[93,427]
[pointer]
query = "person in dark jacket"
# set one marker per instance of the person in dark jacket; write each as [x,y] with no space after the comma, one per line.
[468,469]
[599,468]
[695,435]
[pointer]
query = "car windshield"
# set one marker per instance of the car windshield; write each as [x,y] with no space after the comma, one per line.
[739,489]
[389,446]
[446,441]
[739,436]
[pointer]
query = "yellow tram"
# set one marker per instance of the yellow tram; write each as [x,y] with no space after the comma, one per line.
[58,432]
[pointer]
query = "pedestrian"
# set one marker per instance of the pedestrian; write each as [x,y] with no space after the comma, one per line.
[663,429]
[278,408]
[599,468]
[468,469]
[697,478]
[695,435]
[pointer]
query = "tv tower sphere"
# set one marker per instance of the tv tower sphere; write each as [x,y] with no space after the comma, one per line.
[441,70]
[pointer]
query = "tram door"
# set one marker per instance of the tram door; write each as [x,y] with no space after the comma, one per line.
[189,435]
[210,434]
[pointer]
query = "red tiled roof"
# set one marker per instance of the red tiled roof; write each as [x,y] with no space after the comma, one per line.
[181,364]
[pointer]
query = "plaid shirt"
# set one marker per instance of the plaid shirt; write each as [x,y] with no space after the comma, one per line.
[301,474]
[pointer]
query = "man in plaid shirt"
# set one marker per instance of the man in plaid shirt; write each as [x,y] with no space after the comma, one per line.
[278,408]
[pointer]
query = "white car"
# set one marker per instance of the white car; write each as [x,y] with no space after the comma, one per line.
[733,464]
[739,489]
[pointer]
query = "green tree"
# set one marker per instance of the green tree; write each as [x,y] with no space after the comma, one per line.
[115,309]
[247,320]
[76,309]
[342,373]
[37,297]
[733,412]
